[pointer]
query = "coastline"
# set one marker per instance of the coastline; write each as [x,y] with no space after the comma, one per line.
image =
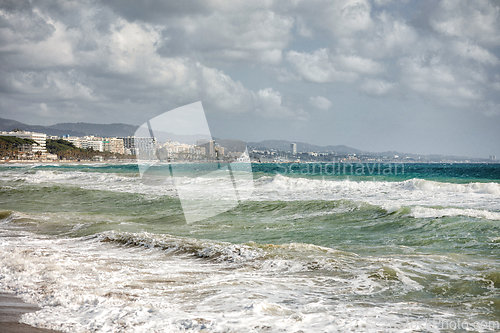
[12,162]
[11,310]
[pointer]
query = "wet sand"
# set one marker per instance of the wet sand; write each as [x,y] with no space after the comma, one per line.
[11,309]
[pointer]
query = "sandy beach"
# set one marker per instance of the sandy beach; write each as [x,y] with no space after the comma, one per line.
[11,310]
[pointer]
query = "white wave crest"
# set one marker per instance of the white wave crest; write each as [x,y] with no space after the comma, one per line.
[388,195]
[426,212]
[433,186]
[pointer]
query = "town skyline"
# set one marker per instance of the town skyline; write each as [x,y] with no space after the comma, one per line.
[206,149]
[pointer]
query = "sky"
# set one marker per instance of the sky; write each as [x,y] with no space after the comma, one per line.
[411,76]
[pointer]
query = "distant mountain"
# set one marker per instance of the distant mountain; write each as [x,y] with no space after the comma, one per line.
[9,125]
[73,129]
[302,146]
[117,129]
[231,145]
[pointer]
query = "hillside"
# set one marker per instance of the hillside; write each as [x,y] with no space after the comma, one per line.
[9,145]
[73,129]
[302,146]
[111,130]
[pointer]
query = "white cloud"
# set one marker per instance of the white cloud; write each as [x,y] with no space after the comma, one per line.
[52,85]
[475,52]
[359,64]
[302,28]
[124,64]
[318,67]
[377,87]
[219,90]
[270,104]
[258,35]
[55,50]
[441,82]
[104,52]
[390,37]
[320,102]
[383,2]
[283,75]
[350,16]
[477,20]
[321,66]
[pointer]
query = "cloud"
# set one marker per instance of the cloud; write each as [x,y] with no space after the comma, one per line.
[473,20]
[22,27]
[120,67]
[444,84]
[283,75]
[216,31]
[320,102]
[445,56]
[377,87]
[104,57]
[349,17]
[270,104]
[223,93]
[475,52]
[318,67]
[53,85]
[321,66]
[257,36]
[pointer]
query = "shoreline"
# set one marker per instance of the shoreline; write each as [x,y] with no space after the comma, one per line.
[12,308]
[13,162]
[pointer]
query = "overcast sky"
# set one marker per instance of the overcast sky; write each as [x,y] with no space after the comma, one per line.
[412,76]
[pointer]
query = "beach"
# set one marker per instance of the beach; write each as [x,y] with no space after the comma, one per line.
[11,309]
[326,247]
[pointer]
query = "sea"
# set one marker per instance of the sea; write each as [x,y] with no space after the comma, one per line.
[318,247]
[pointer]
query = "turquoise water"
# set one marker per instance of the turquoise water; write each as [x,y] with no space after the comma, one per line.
[317,247]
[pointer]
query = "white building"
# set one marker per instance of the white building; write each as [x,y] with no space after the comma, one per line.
[144,146]
[114,145]
[75,140]
[96,145]
[39,138]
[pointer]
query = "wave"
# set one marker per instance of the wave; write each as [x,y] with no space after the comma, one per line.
[216,251]
[433,186]
[143,282]
[259,256]
[428,212]
[278,183]
[388,195]
[287,184]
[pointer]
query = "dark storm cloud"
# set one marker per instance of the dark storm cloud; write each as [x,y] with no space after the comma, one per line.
[16,5]
[21,24]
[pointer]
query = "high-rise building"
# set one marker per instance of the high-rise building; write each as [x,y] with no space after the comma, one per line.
[75,140]
[209,146]
[220,151]
[144,146]
[293,148]
[114,145]
[97,145]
